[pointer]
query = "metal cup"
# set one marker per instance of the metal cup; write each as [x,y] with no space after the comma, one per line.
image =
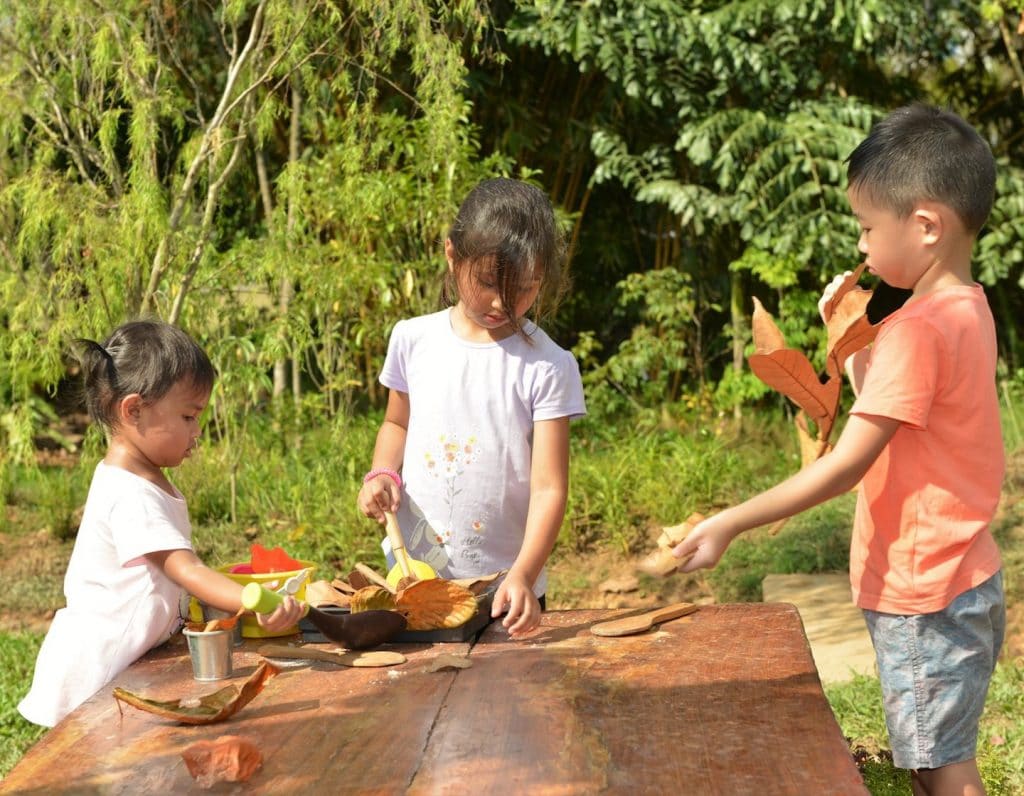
[210,653]
[209,612]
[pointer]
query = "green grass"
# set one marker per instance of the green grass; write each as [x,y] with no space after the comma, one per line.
[858,709]
[17,661]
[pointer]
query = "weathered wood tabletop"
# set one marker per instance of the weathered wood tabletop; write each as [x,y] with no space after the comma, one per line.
[724,701]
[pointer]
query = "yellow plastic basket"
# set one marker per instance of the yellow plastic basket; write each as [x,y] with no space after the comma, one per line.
[268,580]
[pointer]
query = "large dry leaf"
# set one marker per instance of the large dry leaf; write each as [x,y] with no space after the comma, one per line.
[372,598]
[848,284]
[436,603]
[767,337]
[847,322]
[218,706]
[791,373]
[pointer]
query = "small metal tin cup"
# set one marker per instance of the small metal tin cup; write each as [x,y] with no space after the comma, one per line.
[209,612]
[210,652]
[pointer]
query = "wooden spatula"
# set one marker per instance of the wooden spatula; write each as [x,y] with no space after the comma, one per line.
[358,659]
[642,622]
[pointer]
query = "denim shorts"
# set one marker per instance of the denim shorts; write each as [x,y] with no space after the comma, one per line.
[935,670]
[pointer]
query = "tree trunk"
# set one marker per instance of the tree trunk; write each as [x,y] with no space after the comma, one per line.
[286,290]
[738,319]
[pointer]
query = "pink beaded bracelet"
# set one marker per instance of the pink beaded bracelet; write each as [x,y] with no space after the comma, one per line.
[392,474]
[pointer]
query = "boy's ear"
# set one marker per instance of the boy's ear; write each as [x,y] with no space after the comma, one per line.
[931,223]
[129,408]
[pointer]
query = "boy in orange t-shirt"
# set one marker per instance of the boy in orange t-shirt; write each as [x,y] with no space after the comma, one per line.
[923,441]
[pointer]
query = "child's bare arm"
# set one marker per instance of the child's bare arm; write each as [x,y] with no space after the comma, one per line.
[837,472]
[549,489]
[215,589]
[382,494]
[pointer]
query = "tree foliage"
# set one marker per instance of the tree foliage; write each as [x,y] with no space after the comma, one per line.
[737,116]
[275,176]
[278,177]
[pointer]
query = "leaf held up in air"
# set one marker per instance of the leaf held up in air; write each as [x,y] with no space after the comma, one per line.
[849,329]
[767,337]
[789,372]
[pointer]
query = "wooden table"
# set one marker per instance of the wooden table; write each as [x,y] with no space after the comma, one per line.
[724,701]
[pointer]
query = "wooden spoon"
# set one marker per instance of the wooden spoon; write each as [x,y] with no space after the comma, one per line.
[641,622]
[407,568]
[358,659]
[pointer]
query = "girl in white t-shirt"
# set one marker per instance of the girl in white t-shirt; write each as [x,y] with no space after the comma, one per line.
[479,404]
[146,386]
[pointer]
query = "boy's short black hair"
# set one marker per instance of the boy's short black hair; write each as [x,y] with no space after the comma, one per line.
[921,153]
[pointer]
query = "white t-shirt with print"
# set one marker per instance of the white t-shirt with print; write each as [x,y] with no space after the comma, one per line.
[119,605]
[466,470]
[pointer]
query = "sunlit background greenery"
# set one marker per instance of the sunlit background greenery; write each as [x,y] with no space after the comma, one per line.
[278,177]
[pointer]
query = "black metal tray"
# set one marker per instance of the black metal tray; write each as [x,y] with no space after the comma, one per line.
[463,632]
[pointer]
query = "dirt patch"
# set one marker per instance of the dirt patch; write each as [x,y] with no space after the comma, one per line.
[609,579]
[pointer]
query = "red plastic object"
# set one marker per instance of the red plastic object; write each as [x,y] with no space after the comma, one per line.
[273,560]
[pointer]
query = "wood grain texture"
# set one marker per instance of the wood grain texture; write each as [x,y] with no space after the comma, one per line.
[725,701]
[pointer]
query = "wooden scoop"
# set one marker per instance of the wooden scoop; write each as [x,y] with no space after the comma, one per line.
[358,659]
[642,622]
[353,631]
[406,567]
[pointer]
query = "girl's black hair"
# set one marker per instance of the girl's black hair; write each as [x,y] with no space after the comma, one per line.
[144,357]
[509,225]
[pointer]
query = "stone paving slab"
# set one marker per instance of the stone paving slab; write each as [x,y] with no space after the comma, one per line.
[840,644]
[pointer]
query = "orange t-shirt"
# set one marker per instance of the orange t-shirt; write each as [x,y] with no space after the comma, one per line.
[921,530]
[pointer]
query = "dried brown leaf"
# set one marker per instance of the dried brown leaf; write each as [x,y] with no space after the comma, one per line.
[660,561]
[436,603]
[320,592]
[372,598]
[479,585]
[858,334]
[849,329]
[218,706]
[791,373]
[345,586]
[847,285]
[448,660]
[229,758]
[767,337]
[357,580]
[811,449]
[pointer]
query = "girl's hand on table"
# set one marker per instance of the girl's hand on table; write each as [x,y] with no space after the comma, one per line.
[523,614]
